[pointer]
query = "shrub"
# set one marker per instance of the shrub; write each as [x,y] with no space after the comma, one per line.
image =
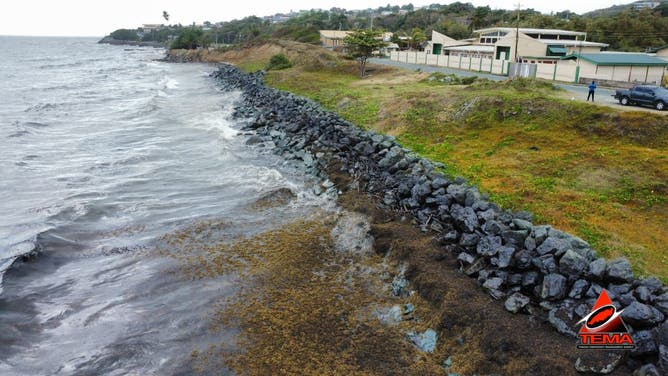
[278,62]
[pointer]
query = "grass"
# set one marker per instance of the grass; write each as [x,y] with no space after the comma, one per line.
[593,171]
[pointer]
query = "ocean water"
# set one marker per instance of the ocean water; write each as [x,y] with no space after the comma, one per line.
[103,152]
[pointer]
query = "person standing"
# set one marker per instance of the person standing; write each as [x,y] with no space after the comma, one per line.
[592,89]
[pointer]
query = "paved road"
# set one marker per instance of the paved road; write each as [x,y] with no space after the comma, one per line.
[579,92]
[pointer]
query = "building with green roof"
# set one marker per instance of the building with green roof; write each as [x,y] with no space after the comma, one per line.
[618,67]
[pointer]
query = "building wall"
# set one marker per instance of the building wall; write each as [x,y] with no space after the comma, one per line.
[634,74]
[563,70]
[583,50]
[330,43]
[526,45]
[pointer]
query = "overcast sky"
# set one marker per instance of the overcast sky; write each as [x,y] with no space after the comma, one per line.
[97,18]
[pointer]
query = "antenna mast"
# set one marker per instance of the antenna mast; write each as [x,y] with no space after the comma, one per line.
[517,30]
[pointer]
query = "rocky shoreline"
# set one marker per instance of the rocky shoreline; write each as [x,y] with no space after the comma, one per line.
[532,269]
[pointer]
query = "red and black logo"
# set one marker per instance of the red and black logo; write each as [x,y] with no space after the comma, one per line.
[604,328]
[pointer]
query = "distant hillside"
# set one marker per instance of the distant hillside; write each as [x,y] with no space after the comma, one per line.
[617,9]
[623,27]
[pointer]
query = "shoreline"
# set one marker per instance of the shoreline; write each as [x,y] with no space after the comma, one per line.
[554,276]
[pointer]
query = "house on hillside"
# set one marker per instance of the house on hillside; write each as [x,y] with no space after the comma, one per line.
[332,39]
[618,67]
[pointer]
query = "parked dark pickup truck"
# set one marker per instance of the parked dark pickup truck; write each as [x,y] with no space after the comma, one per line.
[644,95]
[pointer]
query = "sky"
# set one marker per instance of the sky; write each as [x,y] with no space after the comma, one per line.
[96,18]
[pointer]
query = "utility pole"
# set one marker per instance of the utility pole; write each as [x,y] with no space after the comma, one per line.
[517,30]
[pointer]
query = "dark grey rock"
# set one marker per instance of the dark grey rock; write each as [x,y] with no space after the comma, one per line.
[425,341]
[450,237]
[546,263]
[530,243]
[661,303]
[478,265]
[652,284]
[554,287]
[598,366]
[663,358]
[489,245]
[465,218]
[619,270]
[469,240]
[626,299]
[480,205]
[521,224]
[647,370]
[493,283]
[439,183]
[514,238]
[531,279]
[597,268]
[579,289]
[465,258]
[572,264]
[472,196]
[515,279]
[421,191]
[540,233]
[641,315]
[487,215]
[458,192]
[505,256]
[493,227]
[552,245]
[555,318]
[523,259]
[516,302]
[645,342]
[619,289]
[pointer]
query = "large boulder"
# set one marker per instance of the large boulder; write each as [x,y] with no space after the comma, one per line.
[516,302]
[554,287]
[641,315]
[572,264]
[619,270]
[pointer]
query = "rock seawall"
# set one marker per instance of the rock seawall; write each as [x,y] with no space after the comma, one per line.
[532,269]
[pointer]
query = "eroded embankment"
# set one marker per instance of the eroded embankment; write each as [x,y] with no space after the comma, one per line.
[551,276]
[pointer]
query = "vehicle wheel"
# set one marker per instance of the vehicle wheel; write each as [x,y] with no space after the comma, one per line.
[624,101]
[659,105]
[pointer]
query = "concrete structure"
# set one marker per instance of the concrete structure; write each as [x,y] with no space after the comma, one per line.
[333,38]
[438,41]
[536,45]
[619,67]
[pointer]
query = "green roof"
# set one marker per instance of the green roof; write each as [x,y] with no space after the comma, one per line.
[556,50]
[616,59]
[657,49]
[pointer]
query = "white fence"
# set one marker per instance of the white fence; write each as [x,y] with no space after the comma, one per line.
[563,71]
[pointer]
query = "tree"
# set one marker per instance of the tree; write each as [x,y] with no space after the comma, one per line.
[189,39]
[361,44]
[417,37]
